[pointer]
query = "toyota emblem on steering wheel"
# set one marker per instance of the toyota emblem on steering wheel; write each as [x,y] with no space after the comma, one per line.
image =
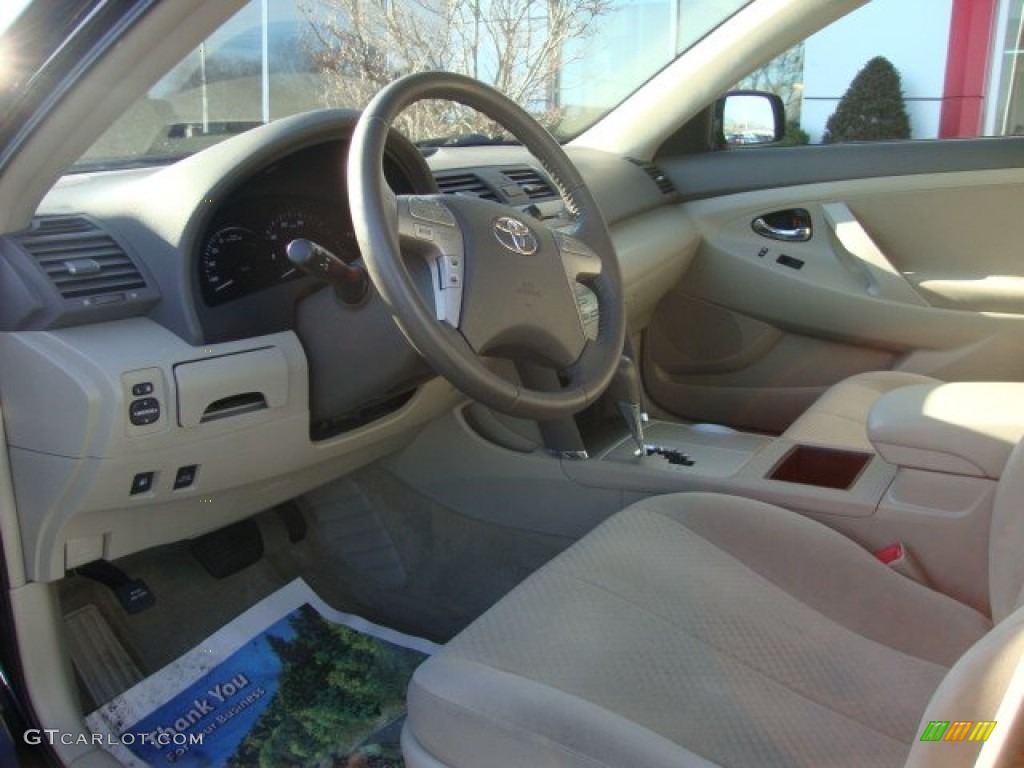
[515,235]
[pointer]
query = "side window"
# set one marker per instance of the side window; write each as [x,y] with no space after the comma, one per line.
[904,69]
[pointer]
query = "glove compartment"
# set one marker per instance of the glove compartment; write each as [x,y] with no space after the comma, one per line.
[228,386]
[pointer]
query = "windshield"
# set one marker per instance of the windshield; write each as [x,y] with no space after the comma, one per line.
[566,61]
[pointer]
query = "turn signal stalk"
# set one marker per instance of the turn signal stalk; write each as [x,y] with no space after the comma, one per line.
[350,281]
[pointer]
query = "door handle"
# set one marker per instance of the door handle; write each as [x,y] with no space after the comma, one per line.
[792,226]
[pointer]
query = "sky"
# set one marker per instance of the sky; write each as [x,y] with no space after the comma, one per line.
[9,10]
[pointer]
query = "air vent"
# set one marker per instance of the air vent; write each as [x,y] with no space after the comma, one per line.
[461,183]
[80,258]
[657,175]
[534,186]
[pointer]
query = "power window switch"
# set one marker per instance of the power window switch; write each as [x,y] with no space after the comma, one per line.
[185,477]
[142,483]
[790,261]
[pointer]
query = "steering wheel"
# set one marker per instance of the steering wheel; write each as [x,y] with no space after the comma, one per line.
[503,282]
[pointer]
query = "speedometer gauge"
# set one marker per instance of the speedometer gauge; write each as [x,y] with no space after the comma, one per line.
[235,261]
[299,222]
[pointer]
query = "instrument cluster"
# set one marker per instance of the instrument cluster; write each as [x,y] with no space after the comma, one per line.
[244,249]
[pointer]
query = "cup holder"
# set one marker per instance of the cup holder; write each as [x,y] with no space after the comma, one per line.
[821,467]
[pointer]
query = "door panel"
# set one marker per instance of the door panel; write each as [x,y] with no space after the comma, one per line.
[918,272]
[960,250]
[741,371]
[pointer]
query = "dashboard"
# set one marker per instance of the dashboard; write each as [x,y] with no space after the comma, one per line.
[154,331]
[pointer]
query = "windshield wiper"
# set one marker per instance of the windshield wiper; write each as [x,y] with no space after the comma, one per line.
[468,140]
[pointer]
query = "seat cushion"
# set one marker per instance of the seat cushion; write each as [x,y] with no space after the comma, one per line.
[839,417]
[694,629]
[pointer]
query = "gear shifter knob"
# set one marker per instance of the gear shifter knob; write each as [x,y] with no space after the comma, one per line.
[625,386]
[635,419]
[627,392]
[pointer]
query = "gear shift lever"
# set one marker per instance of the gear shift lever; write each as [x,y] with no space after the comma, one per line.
[628,394]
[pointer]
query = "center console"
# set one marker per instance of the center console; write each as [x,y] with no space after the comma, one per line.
[713,451]
[664,456]
[815,479]
[927,483]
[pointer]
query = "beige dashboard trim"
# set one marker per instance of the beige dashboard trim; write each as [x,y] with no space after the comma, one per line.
[75,455]
[654,250]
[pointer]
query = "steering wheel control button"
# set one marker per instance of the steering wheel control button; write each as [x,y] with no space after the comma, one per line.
[144,411]
[587,306]
[142,389]
[515,236]
[579,259]
[570,244]
[433,211]
[142,483]
[451,271]
[185,477]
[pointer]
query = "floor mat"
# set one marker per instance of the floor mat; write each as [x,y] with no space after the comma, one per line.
[290,681]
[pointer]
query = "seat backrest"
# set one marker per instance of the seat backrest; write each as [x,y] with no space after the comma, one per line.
[984,687]
[1006,541]
[987,684]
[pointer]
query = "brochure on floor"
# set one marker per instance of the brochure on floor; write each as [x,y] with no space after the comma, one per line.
[289,682]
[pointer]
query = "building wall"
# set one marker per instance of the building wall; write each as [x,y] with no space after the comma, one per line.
[912,34]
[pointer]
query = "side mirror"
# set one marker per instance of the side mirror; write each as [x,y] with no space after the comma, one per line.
[749,118]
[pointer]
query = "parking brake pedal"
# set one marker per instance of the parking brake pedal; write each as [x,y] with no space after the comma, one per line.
[133,594]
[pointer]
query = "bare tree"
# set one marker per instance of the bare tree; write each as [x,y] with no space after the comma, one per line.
[518,46]
[784,76]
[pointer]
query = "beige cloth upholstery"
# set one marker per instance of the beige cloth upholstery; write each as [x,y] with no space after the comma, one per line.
[696,630]
[1006,541]
[839,417]
[974,690]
